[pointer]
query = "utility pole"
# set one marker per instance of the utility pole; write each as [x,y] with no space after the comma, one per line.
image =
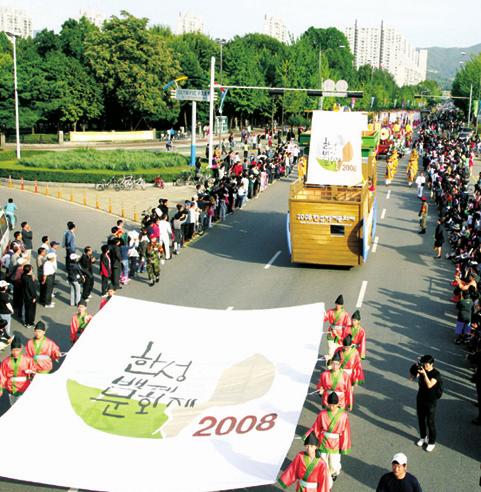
[321,100]
[479,99]
[211,111]
[470,104]
[219,129]
[13,39]
[193,134]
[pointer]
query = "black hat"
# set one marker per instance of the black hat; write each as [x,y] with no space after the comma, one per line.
[311,440]
[347,341]
[16,343]
[332,399]
[339,300]
[40,326]
[356,315]
[336,357]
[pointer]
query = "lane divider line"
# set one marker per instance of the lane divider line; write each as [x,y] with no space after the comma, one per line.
[272,260]
[362,293]
[374,246]
[388,196]
[383,214]
[230,308]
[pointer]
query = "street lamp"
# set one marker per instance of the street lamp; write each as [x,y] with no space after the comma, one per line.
[221,43]
[13,38]
[463,53]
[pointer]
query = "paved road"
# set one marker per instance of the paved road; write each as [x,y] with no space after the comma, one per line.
[405,312]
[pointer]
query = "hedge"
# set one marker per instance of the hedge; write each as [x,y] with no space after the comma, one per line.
[84,176]
[35,138]
[115,160]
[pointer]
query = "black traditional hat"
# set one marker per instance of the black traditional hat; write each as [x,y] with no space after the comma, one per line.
[339,300]
[40,326]
[347,342]
[311,440]
[336,357]
[16,343]
[333,399]
[356,315]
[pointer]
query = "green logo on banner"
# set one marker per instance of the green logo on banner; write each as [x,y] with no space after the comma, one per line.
[98,412]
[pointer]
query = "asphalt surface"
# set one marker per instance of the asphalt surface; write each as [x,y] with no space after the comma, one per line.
[405,311]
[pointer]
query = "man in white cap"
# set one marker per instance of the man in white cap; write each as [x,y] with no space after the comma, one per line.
[398,480]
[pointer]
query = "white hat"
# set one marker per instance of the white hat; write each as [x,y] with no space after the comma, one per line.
[3,284]
[21,261]
[73,256]
[51,256]
[400,458]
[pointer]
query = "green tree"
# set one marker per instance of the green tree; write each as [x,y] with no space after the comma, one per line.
[466,78]
[193,52]
[73,95]
[73,36]
[132,63]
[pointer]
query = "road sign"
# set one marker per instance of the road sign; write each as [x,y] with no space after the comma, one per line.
[192,95]
[334,89]
[222,124]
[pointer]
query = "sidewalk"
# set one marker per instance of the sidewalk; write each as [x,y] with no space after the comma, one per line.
[126,204]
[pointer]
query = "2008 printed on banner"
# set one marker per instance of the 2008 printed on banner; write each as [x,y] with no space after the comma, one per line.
[231,424]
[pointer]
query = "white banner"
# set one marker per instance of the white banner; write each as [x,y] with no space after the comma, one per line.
[160,397]
[335,156]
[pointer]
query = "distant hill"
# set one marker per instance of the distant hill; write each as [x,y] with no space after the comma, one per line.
[443,63]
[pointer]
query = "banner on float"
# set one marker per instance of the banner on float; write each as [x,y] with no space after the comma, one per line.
[160,397]
[335,156]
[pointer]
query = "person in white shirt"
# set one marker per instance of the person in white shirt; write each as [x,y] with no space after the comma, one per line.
[420,182]
[46,287]
[165,233]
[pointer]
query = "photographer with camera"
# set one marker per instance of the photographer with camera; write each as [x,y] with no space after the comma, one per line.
[430,390]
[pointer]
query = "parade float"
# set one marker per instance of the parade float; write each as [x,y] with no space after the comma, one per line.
[332,209]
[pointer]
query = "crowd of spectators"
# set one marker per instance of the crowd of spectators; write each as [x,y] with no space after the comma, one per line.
[29,277]
[448,161]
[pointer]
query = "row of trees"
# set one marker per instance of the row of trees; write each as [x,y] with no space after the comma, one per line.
[467,84]
[112,78]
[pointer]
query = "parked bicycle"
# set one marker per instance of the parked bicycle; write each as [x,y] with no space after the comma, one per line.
[124,183]
[105,184]
[185,178]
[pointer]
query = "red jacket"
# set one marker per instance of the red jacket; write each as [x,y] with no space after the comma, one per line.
[17,375]
[42,353]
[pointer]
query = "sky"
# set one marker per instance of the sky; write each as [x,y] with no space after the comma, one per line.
[424,23]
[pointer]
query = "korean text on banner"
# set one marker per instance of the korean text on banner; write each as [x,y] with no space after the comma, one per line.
[160,397]
[335,156]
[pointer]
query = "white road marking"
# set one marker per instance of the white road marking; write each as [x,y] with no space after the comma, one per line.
[374,246]
[272,260]
[388,194]
[72,490]
[230,308]
[383,214]
[362,293]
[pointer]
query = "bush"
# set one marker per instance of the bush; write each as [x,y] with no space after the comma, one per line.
[115,160]
[84,176]
[35,138]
